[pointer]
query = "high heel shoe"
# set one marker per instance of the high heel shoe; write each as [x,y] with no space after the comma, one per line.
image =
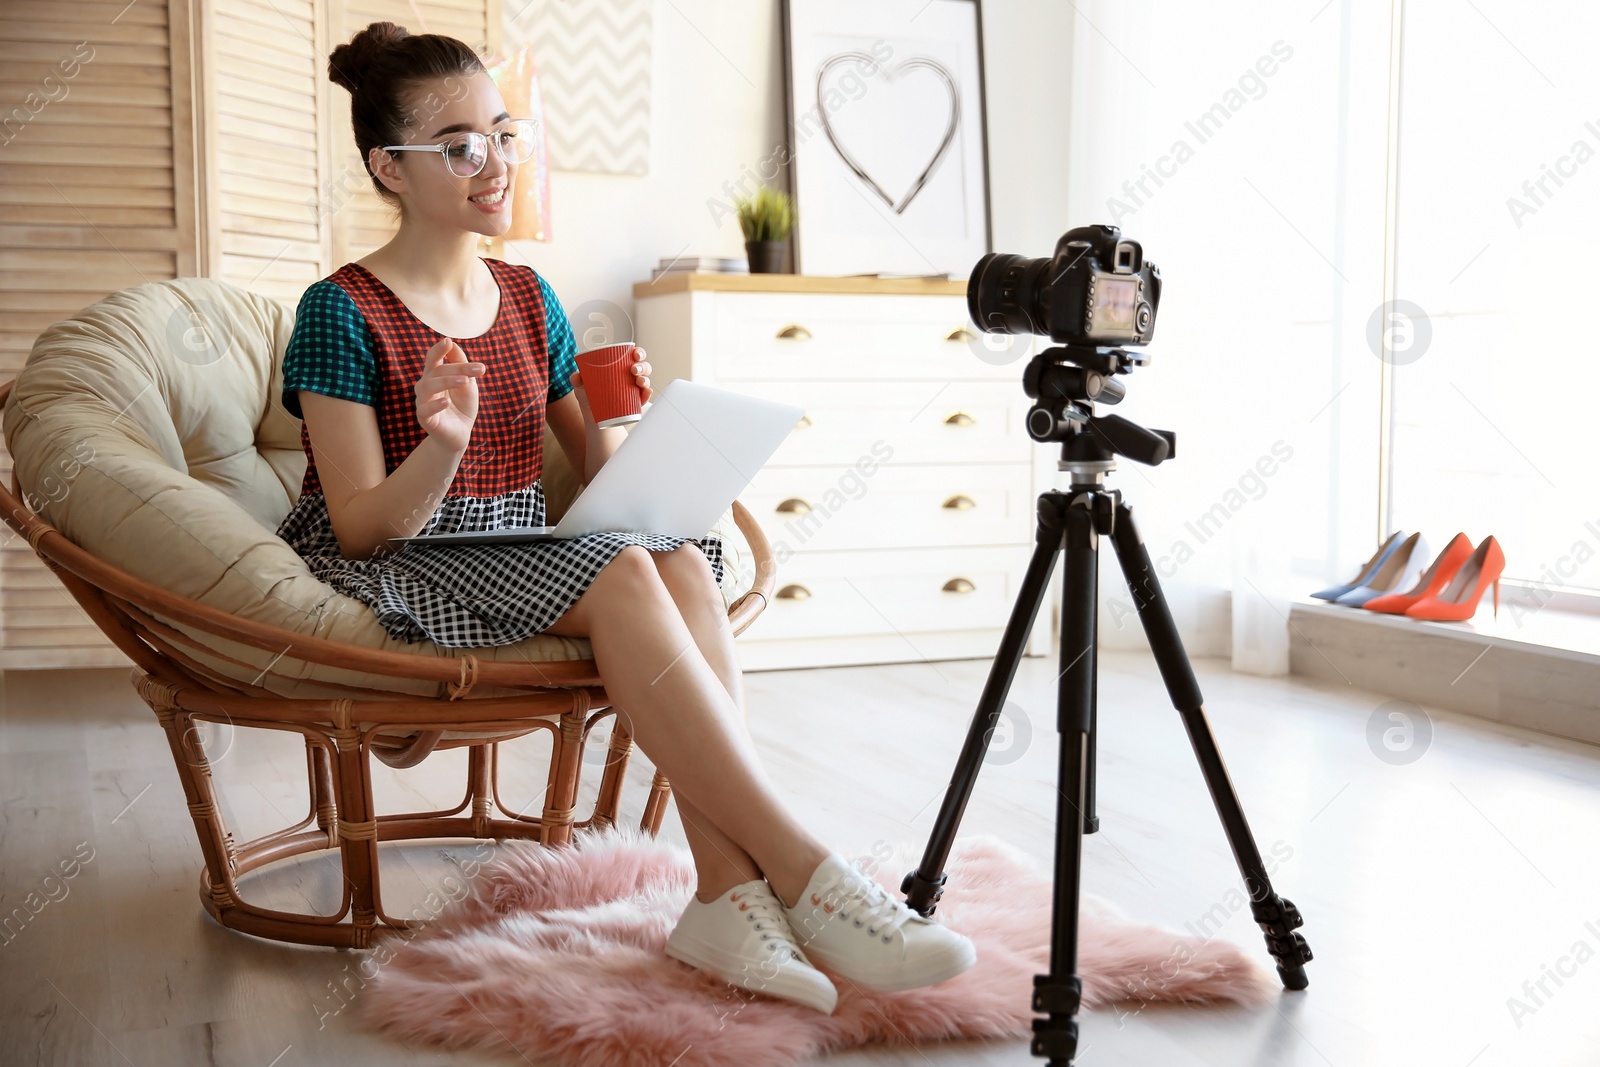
[1368,569]
[1397,572]
[1437,576]
[1459,600]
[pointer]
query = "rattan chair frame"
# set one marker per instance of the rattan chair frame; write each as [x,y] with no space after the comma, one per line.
[342,734]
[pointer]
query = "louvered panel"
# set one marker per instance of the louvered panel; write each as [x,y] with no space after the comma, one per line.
[40,174]
[89,202]
[279,168]
[269,50]
[152,58]
[94,127]
[62,614]
[107,221]
[288,229]
[55,31]
[270,147]
[29,235]
[18,571]
[87,92]
[88,205]
[29,64]
[51,193]
[87,261]
[364,221]
[46,638]
[266,247]
[76,155]
[47,597]
[239,86]
[289,112]
[40,624]
[297,15]
[243,153]
[86,13]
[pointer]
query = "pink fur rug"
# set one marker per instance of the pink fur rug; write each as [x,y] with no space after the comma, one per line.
[558,955]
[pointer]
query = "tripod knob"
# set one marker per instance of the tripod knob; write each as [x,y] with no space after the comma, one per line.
[1108,390]
[1045,423]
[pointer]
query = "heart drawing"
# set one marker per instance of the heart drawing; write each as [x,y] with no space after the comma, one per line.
[873,67]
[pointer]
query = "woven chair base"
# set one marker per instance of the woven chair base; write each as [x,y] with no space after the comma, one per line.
[340,815]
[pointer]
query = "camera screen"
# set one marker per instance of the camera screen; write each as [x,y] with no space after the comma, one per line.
[1114,302]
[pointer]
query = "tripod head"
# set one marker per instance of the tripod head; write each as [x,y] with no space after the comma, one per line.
[1065,383]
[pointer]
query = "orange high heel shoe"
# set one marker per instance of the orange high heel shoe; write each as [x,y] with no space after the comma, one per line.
[1434,579]
[1459,600]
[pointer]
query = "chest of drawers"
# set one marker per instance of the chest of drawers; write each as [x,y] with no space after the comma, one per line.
[901,508]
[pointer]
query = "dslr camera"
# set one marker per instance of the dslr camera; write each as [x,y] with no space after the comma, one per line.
[1096,295]
[1096,291]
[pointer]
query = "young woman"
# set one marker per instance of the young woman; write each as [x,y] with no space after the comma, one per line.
[424,375]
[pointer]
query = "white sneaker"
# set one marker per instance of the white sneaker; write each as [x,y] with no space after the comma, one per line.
[849,924]
[743,938]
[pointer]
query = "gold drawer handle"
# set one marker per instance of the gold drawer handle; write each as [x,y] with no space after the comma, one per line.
[960,502]
[962,334]
[959,418]
[794,504]
[805,420]
[794,592]
[794,332]
[954,585]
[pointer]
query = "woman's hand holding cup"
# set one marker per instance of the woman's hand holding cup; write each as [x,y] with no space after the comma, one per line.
[613,384]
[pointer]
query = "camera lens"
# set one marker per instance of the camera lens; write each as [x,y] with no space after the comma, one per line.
[1003,294]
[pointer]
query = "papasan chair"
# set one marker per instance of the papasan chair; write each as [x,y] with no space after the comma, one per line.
[153,461]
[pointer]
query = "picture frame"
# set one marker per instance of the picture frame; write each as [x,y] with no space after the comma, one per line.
[887,136]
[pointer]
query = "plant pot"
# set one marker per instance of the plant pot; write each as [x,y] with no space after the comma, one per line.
[766,257]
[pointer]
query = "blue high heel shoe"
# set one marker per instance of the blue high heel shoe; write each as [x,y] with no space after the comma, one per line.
[1368,569]
[1400,571]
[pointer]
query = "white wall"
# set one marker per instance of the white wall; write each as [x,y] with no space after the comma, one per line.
[718,113]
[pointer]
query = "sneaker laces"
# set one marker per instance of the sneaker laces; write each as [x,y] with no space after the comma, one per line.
[865,904]
[761,907]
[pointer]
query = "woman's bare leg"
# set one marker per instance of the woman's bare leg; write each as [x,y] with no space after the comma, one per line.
[690,581]
[684,718]
[721,863]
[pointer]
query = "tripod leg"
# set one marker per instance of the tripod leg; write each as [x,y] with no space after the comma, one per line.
[1091,821]
[924,885]
[1276,916]
[1058,993]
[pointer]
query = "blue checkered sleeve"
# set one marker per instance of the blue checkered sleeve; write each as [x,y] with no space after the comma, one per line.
[330,350]
[562,345]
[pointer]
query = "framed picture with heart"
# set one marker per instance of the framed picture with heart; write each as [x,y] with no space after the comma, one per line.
[887,149]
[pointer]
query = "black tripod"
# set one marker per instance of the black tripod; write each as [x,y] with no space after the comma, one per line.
[1075,519]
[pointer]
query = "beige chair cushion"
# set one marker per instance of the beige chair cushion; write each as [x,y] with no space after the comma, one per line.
[149,429]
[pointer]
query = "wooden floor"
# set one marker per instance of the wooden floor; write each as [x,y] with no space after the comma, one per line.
[1432,890]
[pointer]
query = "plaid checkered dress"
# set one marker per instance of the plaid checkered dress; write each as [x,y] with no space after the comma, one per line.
[354,339]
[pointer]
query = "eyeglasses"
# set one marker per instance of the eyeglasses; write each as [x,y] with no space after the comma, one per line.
[466,154]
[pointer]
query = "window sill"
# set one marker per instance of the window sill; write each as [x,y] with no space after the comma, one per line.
[1537,669]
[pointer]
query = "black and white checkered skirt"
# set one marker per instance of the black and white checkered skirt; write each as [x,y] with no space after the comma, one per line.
[471,596]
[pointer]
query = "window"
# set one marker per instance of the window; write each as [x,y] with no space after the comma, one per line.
[1496,369]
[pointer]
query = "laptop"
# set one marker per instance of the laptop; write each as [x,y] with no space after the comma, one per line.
[681,466]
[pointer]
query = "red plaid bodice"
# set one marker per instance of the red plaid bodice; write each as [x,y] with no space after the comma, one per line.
[505,453]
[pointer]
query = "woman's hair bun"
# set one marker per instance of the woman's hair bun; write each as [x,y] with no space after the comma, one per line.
[349,62]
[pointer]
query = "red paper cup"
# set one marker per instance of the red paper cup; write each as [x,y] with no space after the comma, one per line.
[612,387]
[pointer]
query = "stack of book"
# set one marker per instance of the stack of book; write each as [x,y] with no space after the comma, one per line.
[713,264]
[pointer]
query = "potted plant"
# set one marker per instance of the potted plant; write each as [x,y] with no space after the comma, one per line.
[766,219]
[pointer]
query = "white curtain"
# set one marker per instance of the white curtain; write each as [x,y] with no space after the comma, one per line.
[1244,146]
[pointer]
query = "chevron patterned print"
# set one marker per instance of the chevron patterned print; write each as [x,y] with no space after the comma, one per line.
[593,58]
